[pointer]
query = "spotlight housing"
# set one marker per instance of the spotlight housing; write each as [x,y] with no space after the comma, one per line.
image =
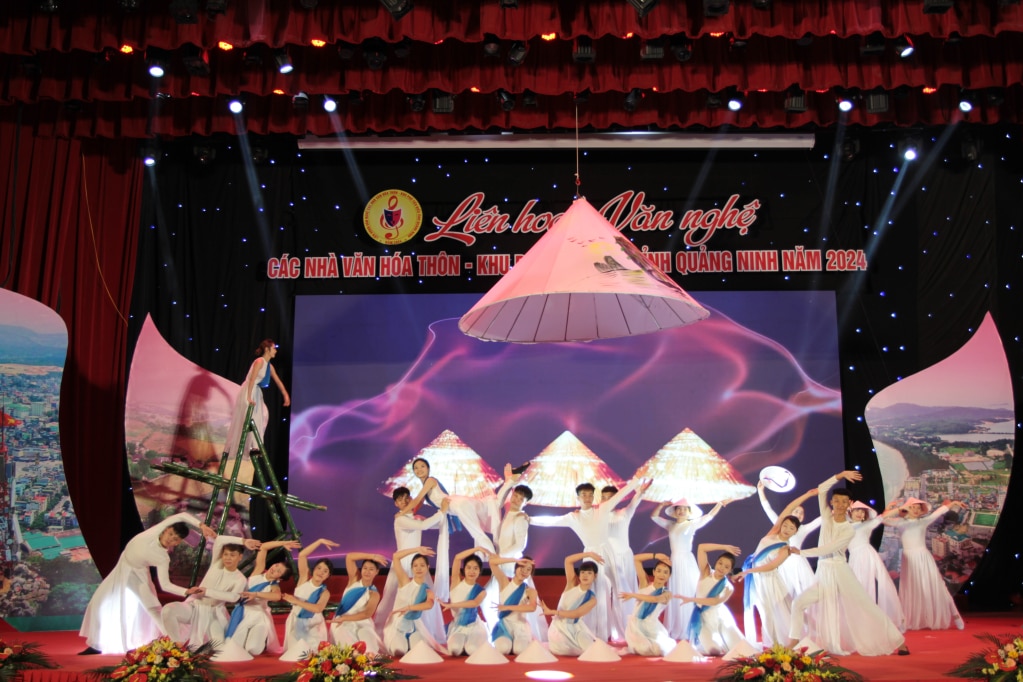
[970,147]
[215,8]
[397,8]
[581,97]
[374,52]
[129,5]
[715,8]
[156,62]
[283,61]
[872,44]
[491,45]
[48,6]
[736,100]
[966,100]
[909,147]
[937,6]
[632,100]
[850,149]
[877,101]
[329,104]
[416,103]
[506,99]
[582,50]
[150,154]
[509,4]
[185,11]
[904,47]
[714,100]
[235,105]
[517,52]
[795,100]
[528,99]
[402,49]
[443,103]
[300,101]
[196,60]
[652,49]
[681,47]
[643,6]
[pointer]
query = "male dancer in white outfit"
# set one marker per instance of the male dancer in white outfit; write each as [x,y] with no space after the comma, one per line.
[622,568]
[511,532]
[591,525]
[252,624]
[847,620]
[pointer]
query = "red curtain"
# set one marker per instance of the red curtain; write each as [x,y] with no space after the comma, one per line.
[69,238]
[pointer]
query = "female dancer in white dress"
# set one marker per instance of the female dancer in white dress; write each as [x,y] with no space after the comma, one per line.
[765,591]
[644,633]
[866,563]
[470,512]
[795,572]
[353,620]
[926,601]
[568,634]
[258,378]
[306,626]
[466,631]
[404,629]
[512,633]
[712,630]
[685,520]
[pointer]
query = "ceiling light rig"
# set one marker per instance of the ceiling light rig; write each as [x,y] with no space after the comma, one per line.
[966,101]
[877,101]
[196,60]
[904,47]
[795,100]
[652,49]
[283,61]
[443,103]
[517,52]
[681,47]
[642,7]
[632,100]
[582,50]
[736,100]
[156,62]
[506,99]
[329,104]
[397,8]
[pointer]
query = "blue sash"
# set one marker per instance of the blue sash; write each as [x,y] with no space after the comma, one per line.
[239,610]
[513,600]
[649,607]
[750,586]
[585,598]
[468,615]
[313,598]
[420,598]
[696,621]
[454,525]
[351,597]
[265,381]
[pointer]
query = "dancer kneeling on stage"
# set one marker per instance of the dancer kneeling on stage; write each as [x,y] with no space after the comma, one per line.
[404,629]
[124,612]
[712,630]
[644,633]
[306,626]
[512,634]
[353,620]
[252,623]
[568,635]
[466,632]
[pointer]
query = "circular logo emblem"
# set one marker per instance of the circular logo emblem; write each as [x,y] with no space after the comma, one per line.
[392,217]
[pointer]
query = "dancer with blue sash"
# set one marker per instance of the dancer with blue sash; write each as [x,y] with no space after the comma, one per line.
[765,591]
[712,630]
[261,372]
[795,572]
[404,628]
[466,631]
[252,625]
[463,512]
[512,634]
[353,620]
[644,633]
[306,626]
[568,634]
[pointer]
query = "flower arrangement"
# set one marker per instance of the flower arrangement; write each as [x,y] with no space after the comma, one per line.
[163,660]
[340,663]
[997,664]
[16,657]
[783,664]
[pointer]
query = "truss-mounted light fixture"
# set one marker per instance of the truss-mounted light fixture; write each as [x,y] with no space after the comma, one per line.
[877,101]
[795,100]
[681,47]
[652,49]
[517,52]
[643,6]
[582,50]
[397,8]
[715,8]
[938,6]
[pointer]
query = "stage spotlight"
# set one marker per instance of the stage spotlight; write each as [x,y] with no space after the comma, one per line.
[805,40]
[416,103]
[795,100]
[736,43]
[149,160]
[308,4]
[397,8]
[48,6]
[150,153]
[850,148]
[374,52]
[581,97]
[652,49]
[909,148]
[966,101]
[714,100]
[205,154]
[196,60]
[402,49]
[872,44]
[346,51]
[528,99]
[258,152]
[761,4]
[252,56]
[443,103]
[938,6]
[235,105]
[506,99]
[329,104]
[283,61]
[215,8]
[642,6]
[185,11]
[904,47]
[300,101]
[517,52]
[491,45]
[129,5]
[156,62]
[877,101]
[681,47]
[715,8]
[509,4]
[582,50]
[632,100]
[736,101]
[845,103]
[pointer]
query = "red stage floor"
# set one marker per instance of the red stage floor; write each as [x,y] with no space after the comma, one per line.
[933,653]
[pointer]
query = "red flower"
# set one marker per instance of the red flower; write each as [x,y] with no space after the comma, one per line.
[326,666]
[754,673]
[119,672]
[323,645]
[360,646]
[993,657]
[305,676]
[1008,664]
[138,677]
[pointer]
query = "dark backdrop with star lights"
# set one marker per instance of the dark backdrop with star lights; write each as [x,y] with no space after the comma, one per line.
[943,238]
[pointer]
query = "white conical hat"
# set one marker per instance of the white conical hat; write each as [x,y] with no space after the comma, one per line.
[682,653]
[486,655]
[229,651]
[599,652]
[561,466]
[741,650]
[421,653]
[297,651]
[536,653]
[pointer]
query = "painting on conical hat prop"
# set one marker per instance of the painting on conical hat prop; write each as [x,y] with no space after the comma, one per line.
[560,467]
[688,468]
[457,466]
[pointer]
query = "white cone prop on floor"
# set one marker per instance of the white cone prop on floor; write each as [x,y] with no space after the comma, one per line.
[422,654]
[536,653]
[486,655]
[682,653]
[741,650]
[297,651]
[599,652]
[582,280]
[229,651]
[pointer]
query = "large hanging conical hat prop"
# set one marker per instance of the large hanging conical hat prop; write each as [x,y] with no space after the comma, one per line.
[687,467]
[560,467]
[581,281]
[457,466]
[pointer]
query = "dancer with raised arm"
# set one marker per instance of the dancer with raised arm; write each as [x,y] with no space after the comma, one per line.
[795,572]
[712,630]
[866,563]
[511,532]
[306,626]
[512,633]
[926,601]
[124,612]
[353,620]
[260,373]
[765,591]
[467,511]
[621,568]
[252,625]
[568,634]
[403,629]
[847,620]
[466,631]
[644,633]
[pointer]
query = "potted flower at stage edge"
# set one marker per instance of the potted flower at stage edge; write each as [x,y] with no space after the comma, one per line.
[16,657]
[1001,662]
[340,663]
[164,660]
[783,663]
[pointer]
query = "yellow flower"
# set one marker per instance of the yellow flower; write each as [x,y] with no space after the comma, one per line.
[361,659]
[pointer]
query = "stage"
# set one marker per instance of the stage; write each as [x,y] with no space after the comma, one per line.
[933,654]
